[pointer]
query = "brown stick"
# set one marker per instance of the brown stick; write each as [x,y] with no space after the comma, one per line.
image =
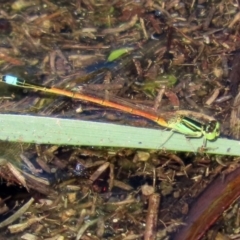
[152,216]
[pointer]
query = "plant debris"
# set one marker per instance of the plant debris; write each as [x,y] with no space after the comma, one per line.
[154,56]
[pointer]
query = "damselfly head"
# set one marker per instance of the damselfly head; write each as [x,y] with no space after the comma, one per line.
[211,130]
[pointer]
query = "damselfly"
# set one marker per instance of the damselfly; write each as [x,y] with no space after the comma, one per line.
[178,123]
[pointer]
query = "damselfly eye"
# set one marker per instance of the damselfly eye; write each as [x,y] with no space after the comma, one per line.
[212,126]
[211,130]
